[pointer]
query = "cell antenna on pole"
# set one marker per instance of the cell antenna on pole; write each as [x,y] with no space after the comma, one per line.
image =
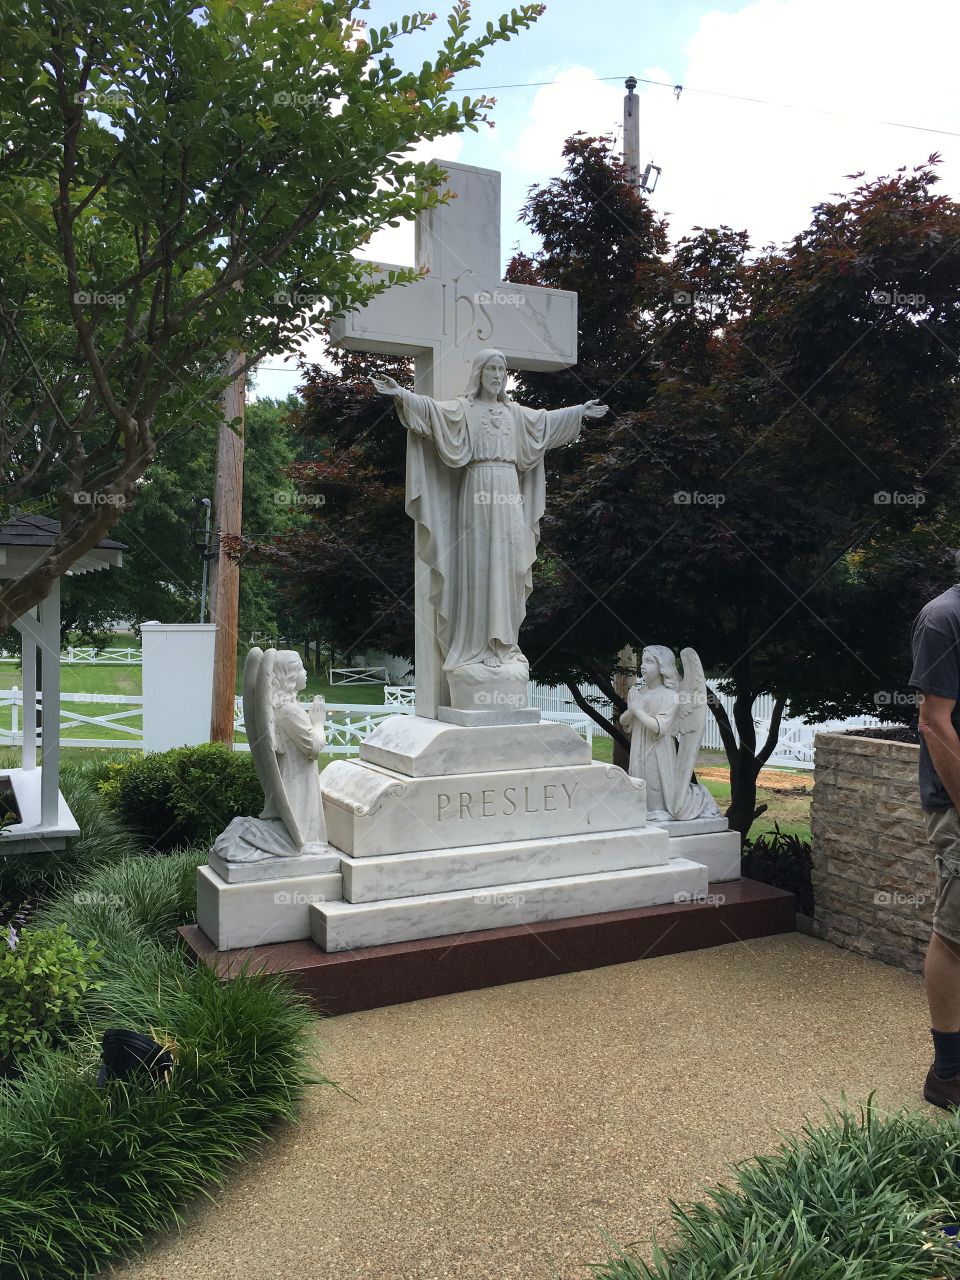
[631,143]
[631,132]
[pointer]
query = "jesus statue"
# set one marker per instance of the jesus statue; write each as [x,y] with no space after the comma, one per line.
[476,490]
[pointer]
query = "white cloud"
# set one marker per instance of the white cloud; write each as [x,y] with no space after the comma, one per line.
[763,168]
[575,101]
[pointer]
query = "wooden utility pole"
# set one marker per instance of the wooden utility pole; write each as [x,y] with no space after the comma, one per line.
[225,576]
[631,132]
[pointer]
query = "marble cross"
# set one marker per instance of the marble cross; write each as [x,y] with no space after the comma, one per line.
[443,320]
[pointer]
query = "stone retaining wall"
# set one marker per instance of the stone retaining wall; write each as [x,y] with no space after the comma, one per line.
[873,874]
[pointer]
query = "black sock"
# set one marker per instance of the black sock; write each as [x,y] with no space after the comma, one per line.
[946,1053]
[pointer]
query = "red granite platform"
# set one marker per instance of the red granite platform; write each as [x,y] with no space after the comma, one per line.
[347,981]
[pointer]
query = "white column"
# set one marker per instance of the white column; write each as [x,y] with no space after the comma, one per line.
[50,739]
[28,664]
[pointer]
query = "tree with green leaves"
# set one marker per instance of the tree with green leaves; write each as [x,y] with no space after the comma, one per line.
[179,183]
[782,497]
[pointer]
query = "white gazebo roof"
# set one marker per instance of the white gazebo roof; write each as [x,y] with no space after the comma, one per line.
[24,540]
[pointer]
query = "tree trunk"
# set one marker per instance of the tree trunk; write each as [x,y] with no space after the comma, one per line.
[744,759]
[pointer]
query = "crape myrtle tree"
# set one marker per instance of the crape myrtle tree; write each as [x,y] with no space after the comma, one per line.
[180,182]
[782,499]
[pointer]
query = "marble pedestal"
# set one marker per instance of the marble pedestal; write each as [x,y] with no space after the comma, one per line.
[248,904]
[707,840]
[447,827]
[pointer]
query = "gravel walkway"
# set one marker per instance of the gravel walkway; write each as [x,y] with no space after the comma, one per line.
[501,1133]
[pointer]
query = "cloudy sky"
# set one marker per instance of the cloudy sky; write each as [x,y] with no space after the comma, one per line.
[780,100]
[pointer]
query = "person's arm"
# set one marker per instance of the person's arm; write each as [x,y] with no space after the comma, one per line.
[936,726]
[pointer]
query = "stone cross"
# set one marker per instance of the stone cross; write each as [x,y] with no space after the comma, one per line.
[459,308]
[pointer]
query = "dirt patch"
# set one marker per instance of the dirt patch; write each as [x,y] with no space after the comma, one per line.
[791,784]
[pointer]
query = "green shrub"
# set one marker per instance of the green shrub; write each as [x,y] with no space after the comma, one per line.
[850,1199]
[43,975]
[785,861]
[182,797]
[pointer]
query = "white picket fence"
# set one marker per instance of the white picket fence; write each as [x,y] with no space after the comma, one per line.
[357,675]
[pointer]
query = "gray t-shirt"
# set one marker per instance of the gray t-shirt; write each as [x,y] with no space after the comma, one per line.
[935,642]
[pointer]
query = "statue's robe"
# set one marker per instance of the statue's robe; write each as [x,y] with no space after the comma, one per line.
[476,490]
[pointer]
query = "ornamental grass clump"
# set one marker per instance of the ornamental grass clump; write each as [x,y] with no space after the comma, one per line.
[869,1198]
[89,1173]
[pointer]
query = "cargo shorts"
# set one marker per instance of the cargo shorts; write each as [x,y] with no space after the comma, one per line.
[943,832]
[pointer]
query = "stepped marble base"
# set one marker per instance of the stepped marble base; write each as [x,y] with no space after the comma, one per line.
[694,826]
[341,926]
[719,851]
[495,716]
[254,913]
[402,875]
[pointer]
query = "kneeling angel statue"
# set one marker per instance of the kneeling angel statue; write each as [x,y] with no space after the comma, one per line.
[285,740]
[666,717]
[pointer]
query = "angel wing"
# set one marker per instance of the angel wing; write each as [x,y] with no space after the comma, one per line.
[691,715]
[262,738]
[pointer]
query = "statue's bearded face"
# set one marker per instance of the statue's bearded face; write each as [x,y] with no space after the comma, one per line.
[493,376]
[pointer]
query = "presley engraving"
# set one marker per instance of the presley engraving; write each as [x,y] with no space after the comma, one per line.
[492,802]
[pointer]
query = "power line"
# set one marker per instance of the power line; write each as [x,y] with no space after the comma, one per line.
[718,93]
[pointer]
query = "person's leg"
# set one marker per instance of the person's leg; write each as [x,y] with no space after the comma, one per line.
[941,970]
[941,975]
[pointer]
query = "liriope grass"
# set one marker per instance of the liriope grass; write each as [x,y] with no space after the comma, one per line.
[87,1175]
[857,1197]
